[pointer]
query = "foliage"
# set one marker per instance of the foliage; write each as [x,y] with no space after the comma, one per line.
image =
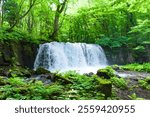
[83,87]
[18,88]
[110,23]
[78,87]
[119,82]
[141,32]
[112,42]
[145,83]
[16,35]
[137,67]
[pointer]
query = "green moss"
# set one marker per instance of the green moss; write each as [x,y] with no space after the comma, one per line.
[41,70]
[102,81]
[119,82]
[107,73]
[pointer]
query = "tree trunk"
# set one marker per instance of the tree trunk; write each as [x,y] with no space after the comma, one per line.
[30,20]
[56,26]
[1,12]
[59,10]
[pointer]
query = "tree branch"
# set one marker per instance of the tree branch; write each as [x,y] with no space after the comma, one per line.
[21,17]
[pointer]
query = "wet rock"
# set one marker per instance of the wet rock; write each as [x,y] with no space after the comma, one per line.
[89,74]
[44,78]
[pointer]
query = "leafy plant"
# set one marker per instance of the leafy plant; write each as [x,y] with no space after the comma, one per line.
[119,82]
[145,83]
[137,67]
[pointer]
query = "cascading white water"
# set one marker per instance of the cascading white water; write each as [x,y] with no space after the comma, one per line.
[82,57]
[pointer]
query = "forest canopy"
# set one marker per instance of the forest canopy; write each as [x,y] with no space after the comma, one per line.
[112,23]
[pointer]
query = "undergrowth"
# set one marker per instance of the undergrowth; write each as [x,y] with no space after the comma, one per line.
[145,67]
[145,83]
[69,86]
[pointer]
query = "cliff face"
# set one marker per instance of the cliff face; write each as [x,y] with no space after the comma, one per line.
[124,55]
[20,53]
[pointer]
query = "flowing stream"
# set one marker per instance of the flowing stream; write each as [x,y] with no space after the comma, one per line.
[58,56]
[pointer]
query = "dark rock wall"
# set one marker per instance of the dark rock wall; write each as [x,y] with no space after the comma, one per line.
[124,55]
[20,53]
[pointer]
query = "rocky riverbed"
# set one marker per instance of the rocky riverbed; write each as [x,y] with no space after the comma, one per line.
[134,90]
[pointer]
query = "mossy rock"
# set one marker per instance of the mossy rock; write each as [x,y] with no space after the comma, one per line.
[4,70]
[106,73]
[105,86]
[116,67]
[63,80]
[147,80]
[2,81]
[119,83]
[41,70]
[19,71]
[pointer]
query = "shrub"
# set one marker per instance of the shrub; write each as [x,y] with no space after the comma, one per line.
[137,67]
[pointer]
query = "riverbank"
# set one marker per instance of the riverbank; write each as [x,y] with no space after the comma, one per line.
[25,84]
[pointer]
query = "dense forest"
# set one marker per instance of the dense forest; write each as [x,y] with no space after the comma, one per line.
[120,27]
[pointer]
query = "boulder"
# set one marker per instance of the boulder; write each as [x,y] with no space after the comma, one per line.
[89,74]
[106,73]
[104,86]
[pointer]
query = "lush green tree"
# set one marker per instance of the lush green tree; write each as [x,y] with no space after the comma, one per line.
[112,23]
[14,11]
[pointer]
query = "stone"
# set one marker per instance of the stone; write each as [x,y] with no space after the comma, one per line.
[104,86]
[106,73]
[89,74]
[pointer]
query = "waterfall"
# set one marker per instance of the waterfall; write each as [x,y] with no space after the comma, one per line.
[70,56]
